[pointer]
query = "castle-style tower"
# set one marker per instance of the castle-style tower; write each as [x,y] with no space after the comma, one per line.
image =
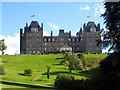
[90,37]
[31,40]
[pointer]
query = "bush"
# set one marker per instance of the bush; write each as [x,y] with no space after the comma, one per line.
[64,81]
[73,62]
[111,63]
[110,67]
[27,72]
[2,70]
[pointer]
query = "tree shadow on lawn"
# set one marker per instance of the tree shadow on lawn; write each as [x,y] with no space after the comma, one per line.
[22,74]
[58,64]
[57,72]
[60,58]
[61,63]
[4,61]
[89,74]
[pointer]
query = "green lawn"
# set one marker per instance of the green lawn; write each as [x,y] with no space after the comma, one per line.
[10,86]
[15,65]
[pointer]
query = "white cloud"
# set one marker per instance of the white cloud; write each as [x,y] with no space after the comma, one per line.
[45,33]
[85,8]
[99,9]
[53,26]
[12,43]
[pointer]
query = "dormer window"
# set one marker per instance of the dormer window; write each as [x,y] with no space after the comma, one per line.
[93,28]
[34,29]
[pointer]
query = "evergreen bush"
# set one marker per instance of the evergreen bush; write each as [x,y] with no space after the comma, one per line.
[27,72]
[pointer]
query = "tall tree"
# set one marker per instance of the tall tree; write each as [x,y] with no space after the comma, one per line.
[2,46]
[112,21]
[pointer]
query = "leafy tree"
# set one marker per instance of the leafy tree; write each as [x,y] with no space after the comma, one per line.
[2,46]
[112,21]
[111,65]
[73,61]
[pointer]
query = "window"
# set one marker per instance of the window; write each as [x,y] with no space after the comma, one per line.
[45,49]
[45,44]
[93,29]
[61,44]
[34,52]
[89,44]
[73,39]
[30,35]
[61,39]
[49,39]
[38,39]
[97,49]
[34,29]
[30,52]
[69,39]
[30,44]
[38,35]
[77,39]
[38,52]
[53,39]
[49,49]
[45,40]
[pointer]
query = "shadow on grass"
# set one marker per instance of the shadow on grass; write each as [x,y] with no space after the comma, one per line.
[22,74]
[59,58]
[89,74]
[27,85]
[57,72]
[58,64]
[62,68]
[61,63]
[4,61]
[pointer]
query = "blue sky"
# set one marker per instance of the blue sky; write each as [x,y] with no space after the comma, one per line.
[66,15]
[69,16]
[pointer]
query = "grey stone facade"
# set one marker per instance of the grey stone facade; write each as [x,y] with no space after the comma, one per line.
[32,40]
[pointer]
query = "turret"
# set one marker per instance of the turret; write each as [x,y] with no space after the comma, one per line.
[70,33]
[42,26]
[21,35]
[51,35]
[98,27]
[26,24]
[61,32]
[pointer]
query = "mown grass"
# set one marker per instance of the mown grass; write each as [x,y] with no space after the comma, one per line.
[16,64]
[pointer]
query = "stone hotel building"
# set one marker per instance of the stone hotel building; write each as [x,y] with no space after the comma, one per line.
[32,40]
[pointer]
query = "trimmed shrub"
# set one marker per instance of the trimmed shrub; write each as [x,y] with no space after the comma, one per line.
[27,72]
[2,70]
[64,81]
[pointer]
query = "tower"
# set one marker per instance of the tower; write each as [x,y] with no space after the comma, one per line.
[90,36]
[31,40]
